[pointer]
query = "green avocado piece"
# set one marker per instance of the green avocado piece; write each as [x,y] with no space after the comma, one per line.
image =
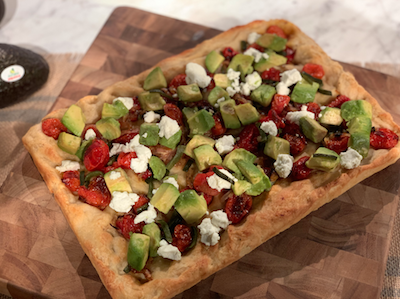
[189,93]
[189,112]
[260,187]
[263,94]
[205,156]
[323,159]
[312,129]
[231,159]
[256,176]
[243,61]
[83,147]
[153,231]
[247,113]
[151,101]
[229,116]
[330,117]
[217,93]
[165,197]
[155,80]
[74,120]
[157,167]
[360,124]
[276,146]
[201,122]
[272,41]
[213,61]
[240,187]
[304,92]
[196,141]
[355,108]
[116,110]
[191,206]
[360,142]
[69,143]
[272,61]
[222,80]
[173,141]
[149,134]
[109,128]
[120,184]
[138,251]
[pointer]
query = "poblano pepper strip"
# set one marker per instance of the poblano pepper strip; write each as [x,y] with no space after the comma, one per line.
[165,229]
[91,175]
[162,93]
[310,79]
[195,234]
[222,175]
[179,152]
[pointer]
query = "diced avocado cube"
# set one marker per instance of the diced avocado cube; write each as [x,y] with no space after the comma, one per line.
[165,197]
[120,184]
[263,94]
[155,79]
[273,60]
[151,101]
[247,113]
[222,80]
[149,134]
[74,120]
[153,231]
[360,124]
[109,128]
[272,41]
[205,156]
[157,167]
[256,176]
[323,159]
[229,116]
[82,149]
[330,117]
[191,206]
[360,142]
[312,129]
[201,122]
[189,112]
[196,141]
[244,61]
[213,61]
[355,108]
[138,251]
[304,92]
[173,141]
[69,143]
[244,72]
[216,93]
[240,187]
[260,187]
[276,146]
[189,93]
[236,155]
[116,110]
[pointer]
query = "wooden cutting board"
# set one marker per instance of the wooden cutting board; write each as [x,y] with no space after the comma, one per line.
[339,251]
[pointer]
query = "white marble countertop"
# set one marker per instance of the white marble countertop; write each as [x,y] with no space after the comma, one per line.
[349,31]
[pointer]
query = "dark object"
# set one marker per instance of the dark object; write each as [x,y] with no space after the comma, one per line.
[2,10]
[22,73]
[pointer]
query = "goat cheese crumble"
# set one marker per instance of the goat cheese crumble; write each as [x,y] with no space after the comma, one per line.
[168,127]
[90,134]
[68,165]
[147,216]
[220,219]
[283,165]
[256,54]
[151,117]
[269,127]
[225,144]
[295,116]
[128,102]
[171,180]
[350,159]
[195,73]
[123,201]
[253,37]
[169,251]
[115,175]
[209,232]
[219,183]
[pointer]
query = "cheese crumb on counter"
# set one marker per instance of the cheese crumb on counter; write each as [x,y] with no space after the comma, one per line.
[68,165]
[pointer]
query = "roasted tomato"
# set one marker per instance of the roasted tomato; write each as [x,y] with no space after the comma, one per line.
[273,115]
[96,194]
[257,47]
[96,156]
[297,143]
[219,127]
[315,70]
[314,108]
[300,171]
[145,175]
[113,166]
[141,201]
[52,127]
[124,159]
[207,197]
[228,53]
[71,180]
[125,138]
[271,74]
[337,103]
[182,237]
[173,111]
[237,207]
[87,128]
[126,224]
[383,138]
[289,54]
[201,185]
[178,80]
[276,30]
[337,142]
[248,138]
[279,103]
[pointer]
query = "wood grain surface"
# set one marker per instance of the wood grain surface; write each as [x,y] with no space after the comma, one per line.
[339,251]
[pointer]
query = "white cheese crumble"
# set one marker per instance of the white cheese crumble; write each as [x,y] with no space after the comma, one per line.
[154,191]
[323,107]
[295,116]
[235,85]
[252,82]
[123,201]
[195,73]
[151,117]
[168,127]
[147,216]
[209,232]
[219,183]
[68,165]
[144,135]
[225,144]
[232,75]
[283,165]
[282,89]
[169,251]
[115,175]
[171,180]
[290,77]
[90,134]
[253,37]
[256,54]
[128,102]
[220,219]
[350,159]
[219,101]
[269,127]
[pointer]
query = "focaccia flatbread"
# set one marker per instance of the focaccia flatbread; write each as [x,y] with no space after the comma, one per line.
[273,212]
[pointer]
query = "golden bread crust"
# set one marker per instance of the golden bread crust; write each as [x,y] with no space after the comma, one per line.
[272,213]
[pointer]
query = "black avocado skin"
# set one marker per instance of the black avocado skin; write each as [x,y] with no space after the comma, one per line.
[36,73]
